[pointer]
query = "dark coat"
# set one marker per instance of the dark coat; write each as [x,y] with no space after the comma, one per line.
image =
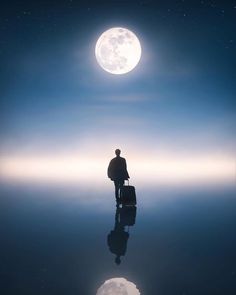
[117,169]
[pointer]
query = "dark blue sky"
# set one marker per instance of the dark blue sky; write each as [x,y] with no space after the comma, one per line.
[54,95]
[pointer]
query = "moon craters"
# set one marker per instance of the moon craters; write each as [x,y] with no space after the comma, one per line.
[118,50]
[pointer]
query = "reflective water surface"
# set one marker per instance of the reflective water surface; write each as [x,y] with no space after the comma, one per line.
[71,240]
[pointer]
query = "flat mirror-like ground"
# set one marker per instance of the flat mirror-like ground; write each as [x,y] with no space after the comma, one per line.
[65,240]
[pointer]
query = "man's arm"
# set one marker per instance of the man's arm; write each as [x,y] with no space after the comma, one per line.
[109,170]
[126,171]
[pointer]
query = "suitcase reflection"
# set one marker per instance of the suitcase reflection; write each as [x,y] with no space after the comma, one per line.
[117,239]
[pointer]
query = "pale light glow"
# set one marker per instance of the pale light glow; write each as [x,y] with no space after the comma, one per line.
[118,51]
[118,286]
[161,169]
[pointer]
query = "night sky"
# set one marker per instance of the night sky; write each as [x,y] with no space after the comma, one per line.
[54,97]
[174,119]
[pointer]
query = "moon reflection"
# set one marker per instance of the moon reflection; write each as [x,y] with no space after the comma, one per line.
[118,286]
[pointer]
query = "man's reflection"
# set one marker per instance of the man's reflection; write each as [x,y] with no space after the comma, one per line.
[117,239]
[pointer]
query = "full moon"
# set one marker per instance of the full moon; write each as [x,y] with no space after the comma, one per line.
[118,286]
[118,51]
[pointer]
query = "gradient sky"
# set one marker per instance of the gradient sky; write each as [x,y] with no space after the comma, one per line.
[54,97]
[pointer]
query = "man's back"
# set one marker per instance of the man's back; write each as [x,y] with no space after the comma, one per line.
[117,172]
[117,169]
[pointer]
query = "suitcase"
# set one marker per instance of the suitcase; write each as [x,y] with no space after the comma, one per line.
[128,195]
[128,215]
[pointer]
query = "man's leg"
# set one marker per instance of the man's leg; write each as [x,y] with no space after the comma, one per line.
[117,186]
[121,183]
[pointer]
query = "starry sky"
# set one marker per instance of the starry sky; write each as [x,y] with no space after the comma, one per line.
[54,97]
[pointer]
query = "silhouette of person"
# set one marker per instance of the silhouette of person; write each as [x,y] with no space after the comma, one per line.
[117,172]
[117,239]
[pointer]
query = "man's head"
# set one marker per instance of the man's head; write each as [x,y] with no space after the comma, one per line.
[117,152]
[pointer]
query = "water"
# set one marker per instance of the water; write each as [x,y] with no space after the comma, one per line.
[55,240]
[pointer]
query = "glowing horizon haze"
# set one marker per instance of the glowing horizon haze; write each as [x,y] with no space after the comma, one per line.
[160,167]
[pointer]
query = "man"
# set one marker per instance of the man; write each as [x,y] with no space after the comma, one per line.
[118,238]
[117,172]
